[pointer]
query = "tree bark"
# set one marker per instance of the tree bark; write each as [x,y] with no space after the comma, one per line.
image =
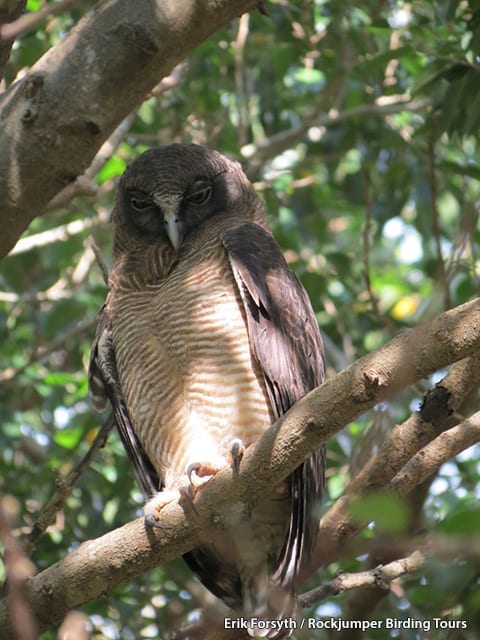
[53,121]
[99,565]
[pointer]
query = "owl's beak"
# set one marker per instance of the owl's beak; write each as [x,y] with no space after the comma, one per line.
[173,225]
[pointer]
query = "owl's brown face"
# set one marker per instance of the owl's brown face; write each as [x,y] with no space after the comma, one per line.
[168,192]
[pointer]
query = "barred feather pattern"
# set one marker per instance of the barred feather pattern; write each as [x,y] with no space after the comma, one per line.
[184,359]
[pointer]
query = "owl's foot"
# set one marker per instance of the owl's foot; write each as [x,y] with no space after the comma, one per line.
[203,470]
[154,506]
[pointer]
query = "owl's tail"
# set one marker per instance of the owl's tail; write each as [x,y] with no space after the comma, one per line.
[270,608]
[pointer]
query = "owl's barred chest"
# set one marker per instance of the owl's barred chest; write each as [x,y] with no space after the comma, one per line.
[186,369]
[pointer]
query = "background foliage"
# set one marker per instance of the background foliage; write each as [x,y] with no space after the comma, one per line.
[359,125]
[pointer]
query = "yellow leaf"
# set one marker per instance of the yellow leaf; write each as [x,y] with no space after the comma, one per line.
[405,306]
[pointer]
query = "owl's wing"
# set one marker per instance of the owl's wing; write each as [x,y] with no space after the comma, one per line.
[286,343]
[104,386]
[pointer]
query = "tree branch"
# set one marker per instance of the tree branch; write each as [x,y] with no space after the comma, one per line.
[9,10]
[430,458]
[439,411]
[437,234]
[257,154]
[380,576]
[29,21]
[405,441]
[50,131]
[99,565]
[84,184]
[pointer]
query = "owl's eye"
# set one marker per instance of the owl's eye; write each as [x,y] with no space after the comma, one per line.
[200,193]
[140,204]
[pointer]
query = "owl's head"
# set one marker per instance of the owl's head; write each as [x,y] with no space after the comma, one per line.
[169,192]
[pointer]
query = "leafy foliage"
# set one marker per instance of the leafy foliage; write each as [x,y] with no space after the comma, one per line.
[373,196]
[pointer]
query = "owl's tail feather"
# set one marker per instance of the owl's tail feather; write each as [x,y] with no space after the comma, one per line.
[270,608]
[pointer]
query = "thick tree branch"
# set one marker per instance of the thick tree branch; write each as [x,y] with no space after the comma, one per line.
[99,565]
[50,130]
[439,411]
[430,458]
[435,415]
[85,184]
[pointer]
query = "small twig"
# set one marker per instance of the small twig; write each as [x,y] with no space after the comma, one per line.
[395,42]
[29,21]
[57,234]
[380,576]
[64,485]
[99,258]
[239,48]
[366,234]
[435,215]
[83,185]
[270,147]
[172,80]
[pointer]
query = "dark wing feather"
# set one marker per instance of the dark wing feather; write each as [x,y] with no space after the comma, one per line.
[287,345]
[105,386]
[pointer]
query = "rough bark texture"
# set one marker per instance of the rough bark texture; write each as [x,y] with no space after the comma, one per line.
[54,120]
[99,565]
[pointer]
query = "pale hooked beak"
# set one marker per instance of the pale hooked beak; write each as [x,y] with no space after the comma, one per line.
[173,225]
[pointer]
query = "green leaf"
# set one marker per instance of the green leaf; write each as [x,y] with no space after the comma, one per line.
[58,379]
[387,510]
[69,438]
[464,521]
[113,168]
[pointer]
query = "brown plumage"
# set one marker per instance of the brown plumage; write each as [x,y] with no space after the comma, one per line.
[205,339]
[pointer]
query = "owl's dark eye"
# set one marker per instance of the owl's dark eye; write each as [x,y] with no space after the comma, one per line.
[200,193]
[140,204]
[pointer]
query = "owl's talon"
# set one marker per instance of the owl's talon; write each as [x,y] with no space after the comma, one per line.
[237,450]
[201,470]
[189,494]
[151,521]
[192,469]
